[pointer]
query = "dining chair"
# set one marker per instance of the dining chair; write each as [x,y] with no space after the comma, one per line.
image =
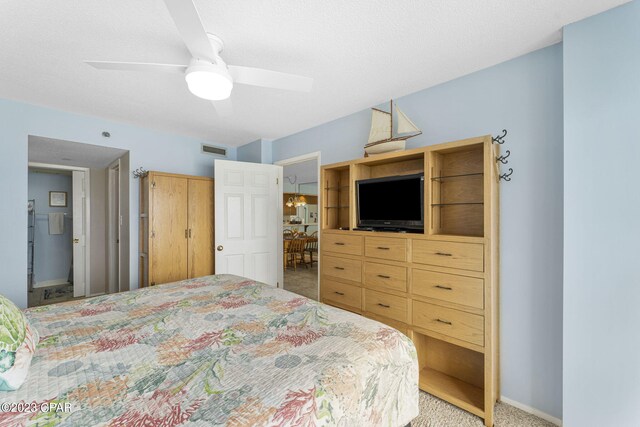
[311,247]
[295,252]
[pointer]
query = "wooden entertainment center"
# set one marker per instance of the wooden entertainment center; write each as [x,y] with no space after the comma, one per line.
[440,286]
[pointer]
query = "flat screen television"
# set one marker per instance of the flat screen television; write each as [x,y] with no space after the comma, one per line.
[393,202]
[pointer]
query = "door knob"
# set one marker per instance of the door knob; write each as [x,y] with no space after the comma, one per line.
[76,240]
[220,247]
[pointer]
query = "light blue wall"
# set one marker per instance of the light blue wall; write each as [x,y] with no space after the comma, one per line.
[602,220]
[152,150]
[251,152]
[267,151]
[523,95]
[53,253]
[258,151]
[308,188]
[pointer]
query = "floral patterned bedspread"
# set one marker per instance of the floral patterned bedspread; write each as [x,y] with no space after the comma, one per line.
[218,350]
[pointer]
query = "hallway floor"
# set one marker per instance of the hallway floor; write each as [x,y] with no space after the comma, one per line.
[50,295]
[303,281]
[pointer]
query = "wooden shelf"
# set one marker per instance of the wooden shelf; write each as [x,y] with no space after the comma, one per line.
[457,204]
[464,175]
[460,393]
[452,237]
[456,191]
[336,199]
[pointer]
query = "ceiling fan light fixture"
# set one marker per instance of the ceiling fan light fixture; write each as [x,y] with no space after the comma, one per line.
[209,81]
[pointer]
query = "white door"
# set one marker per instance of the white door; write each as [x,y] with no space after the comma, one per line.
[248,220]
[79,233]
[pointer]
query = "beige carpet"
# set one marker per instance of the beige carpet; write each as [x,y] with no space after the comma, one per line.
[438,413]
[303,281]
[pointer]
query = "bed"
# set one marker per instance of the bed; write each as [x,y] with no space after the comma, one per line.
[218,350]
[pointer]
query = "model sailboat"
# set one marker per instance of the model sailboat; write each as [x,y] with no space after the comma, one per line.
[381,138]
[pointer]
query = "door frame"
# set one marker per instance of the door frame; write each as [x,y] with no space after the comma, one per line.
[114,227]
[87,216]
[315,155]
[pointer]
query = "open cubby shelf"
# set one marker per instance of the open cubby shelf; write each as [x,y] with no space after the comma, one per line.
[401,166]
[467,396]
[456,195]
[336,184]
[451,372]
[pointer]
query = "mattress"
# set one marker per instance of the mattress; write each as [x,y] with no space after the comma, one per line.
[218,350]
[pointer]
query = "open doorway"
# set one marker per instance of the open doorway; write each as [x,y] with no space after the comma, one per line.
[53,194]
[301,237]
[69,196]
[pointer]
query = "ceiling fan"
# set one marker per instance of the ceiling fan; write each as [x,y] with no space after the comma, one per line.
[207,75]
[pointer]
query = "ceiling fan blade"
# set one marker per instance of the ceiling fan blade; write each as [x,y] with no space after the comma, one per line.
[185,16]
[223,108]
[137,66]
[270,79]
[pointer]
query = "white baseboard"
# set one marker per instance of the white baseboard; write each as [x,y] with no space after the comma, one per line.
[531,410]
[47,283]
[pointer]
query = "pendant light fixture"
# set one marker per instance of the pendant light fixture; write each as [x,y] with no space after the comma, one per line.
[297,200]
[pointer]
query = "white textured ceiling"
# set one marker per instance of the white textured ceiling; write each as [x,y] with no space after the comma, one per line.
[67,153]
[360,53]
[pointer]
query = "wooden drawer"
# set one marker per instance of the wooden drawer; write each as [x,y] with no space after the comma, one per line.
[465,256]
[453,323]
[402,327]
[341,293]
[386,248]
[385,277]
[343,268]
[390,306]
[463,290]
[342,244]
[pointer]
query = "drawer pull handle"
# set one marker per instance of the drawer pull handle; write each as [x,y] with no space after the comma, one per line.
[382,276]
[384,305]
[443,254]
[383,248]
[338,243]
[339,268]
[339,293]
[446,288]
[443,321]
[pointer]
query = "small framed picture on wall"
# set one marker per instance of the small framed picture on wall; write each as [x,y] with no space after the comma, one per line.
[58,199]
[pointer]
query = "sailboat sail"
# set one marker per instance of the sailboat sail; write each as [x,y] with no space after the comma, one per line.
[381,136]
[405,125]
[380,126]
